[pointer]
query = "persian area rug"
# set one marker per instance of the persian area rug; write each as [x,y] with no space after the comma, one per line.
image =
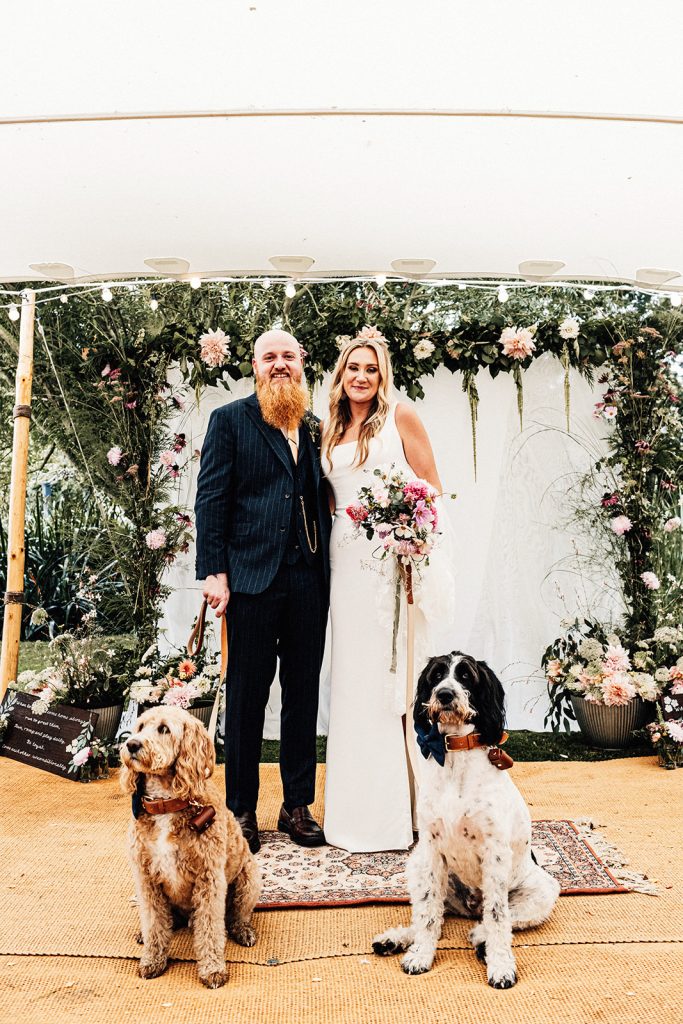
[328,877]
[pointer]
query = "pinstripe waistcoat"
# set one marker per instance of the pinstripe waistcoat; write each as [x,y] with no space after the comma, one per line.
[244,498]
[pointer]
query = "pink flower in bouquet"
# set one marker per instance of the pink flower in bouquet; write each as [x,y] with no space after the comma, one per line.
[184,520]
[518,344]
[371,334]
[672,524]
[616,659]
[414,490]
[214,347]
[81,756]
[358,513]
[675,731]
[676,673]
[380,495]
[621,525]
[181,695]
[609,412]
[677,688]
[187,669]
[423,514]
[554,669]
[650,580]
[618,689]
[609,500]
[179,442]
[114,455]
[167,459]
[156,539]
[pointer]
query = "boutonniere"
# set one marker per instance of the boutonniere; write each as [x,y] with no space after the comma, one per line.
[313,424]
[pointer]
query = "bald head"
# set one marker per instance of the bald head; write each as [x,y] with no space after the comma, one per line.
[277,355]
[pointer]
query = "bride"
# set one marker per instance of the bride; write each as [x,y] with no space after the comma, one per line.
[367,791]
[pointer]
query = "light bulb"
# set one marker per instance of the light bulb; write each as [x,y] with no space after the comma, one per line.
[154,305]
[381,279]
[265,283]
[13,313]
[675,299]
[195,282]
[107,294]
[589,294]
[64,299]
[290,290]
[503,294]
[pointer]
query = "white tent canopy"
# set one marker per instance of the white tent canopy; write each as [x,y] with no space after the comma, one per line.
[356,133]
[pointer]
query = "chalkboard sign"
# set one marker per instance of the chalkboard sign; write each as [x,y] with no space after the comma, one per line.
[672,706]
[41,740]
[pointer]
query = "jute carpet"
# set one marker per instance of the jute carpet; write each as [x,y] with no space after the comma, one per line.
[67,951]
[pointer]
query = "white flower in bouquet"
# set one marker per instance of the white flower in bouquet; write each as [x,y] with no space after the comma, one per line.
[672,524]
[114,455]
[423,348]
[143,670]
[211,671]
[650,580]
[142,692]
[81,756]
[668,635]
[148,653]
[203,685]
[591,649]
[662,675]
[645,685]
[609,412]
[569,328]
[575,670]
[675,731]
[640,659]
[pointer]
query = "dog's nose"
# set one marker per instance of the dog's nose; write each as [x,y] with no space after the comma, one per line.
[132,746]
[445,694]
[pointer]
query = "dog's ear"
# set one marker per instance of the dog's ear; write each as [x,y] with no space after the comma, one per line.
[490,699]
[128,779]
[195,762]
[423,692]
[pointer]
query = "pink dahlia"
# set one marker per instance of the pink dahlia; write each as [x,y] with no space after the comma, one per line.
[618,689]
[616,659]
[214,347]
[517,344]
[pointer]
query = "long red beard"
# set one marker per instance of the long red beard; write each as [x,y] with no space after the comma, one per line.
[282,405]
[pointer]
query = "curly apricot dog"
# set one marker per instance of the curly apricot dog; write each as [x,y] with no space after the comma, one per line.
[181,863]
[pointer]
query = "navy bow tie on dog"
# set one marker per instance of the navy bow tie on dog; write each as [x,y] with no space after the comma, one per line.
[431,742]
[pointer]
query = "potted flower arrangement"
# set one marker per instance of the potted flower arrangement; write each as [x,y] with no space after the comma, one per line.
[177,680]
[607,685]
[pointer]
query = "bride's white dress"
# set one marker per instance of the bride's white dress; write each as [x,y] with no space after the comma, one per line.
[367,790]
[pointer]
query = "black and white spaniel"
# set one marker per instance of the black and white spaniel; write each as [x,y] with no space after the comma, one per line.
[473,857]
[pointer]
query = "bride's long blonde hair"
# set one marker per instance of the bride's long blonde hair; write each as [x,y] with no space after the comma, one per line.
[340,414]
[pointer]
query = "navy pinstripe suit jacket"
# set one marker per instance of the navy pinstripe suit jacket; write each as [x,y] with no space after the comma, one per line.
[244,497]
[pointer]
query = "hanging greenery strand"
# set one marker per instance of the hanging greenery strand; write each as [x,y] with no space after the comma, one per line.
[565,363]
[469,386]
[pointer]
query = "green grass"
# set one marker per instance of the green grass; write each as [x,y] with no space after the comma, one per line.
[521,746]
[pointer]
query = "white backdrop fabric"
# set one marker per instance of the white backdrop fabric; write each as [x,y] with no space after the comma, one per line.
[336,137]
[509,541]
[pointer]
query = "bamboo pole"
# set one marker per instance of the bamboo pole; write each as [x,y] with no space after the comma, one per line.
[9,661]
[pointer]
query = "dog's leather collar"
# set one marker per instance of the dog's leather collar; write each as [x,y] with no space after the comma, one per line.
[199,822]
[469,742]
[170,806]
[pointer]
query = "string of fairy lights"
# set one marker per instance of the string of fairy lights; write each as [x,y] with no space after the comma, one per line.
[11,299]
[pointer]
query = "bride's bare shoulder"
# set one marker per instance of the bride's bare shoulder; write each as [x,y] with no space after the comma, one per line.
[406,415]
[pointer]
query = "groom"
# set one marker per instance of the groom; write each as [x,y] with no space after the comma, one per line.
[263,528]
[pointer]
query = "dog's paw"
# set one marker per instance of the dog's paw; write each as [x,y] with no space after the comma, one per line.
[416,961]
[242,934]
[152,968]
[502,975]
[139,939]
[395,940]
[214,979]
[480,950]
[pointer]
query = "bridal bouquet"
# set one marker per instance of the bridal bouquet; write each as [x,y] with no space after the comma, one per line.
[400,513]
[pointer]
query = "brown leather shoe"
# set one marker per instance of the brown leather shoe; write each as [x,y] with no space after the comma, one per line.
[301,827]
[247,822]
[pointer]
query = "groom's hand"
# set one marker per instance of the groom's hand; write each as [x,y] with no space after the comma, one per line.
[217,592]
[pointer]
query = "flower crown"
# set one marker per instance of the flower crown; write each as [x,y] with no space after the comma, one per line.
[364,335]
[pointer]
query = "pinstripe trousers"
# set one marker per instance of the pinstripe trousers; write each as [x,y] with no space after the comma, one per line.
[286,621]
